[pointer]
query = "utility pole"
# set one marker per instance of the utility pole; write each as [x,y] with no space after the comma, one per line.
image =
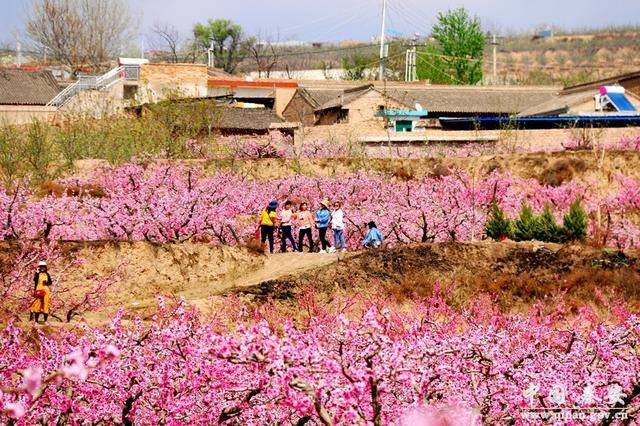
[410,73]
[382,52]
[211,58]
[494,43]
[18,53]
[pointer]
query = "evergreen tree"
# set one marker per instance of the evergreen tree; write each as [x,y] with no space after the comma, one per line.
[546,228]
[498,226]
[574,223]
[524,228]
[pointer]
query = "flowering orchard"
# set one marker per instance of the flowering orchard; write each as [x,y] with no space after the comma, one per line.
[277,145]
[361,361]
[168,203]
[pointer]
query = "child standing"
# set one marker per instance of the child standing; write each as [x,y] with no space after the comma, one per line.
[337,225]
[304,220]
[285,226]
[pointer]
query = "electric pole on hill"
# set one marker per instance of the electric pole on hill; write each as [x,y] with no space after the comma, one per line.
[382,50]
[494,42]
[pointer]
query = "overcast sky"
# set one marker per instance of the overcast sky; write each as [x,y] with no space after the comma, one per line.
[332,20]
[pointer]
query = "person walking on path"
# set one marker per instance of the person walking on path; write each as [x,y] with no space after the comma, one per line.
[268,220]
[304,220]
[286,216]
[323,219]
[373,239]
[41,293]
[337,225]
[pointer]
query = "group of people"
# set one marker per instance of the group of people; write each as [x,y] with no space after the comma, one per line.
[323,220]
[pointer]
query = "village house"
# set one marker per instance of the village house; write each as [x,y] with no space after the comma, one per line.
[24,95]
[325,105]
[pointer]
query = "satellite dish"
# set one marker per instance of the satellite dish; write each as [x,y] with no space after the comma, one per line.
[418,107]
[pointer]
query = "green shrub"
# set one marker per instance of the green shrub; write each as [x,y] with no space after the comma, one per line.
[546,228]
[498,226]
[574,223]
[524,228]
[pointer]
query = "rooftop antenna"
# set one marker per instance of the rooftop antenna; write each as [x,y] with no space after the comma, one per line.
[382,52]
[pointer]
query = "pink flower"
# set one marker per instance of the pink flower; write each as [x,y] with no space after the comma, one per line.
[447,416]
[75,371]
[110,352]
[32,380]
[76,368]
[14,410]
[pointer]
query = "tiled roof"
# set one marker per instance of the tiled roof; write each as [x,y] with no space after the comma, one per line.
[231,118]
[618,79]
[345,96]
[21,87]
[472,99]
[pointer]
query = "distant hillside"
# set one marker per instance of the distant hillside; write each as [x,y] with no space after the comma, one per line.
[566,58]
[563,59]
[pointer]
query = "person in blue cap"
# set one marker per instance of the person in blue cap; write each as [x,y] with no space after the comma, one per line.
[268,220]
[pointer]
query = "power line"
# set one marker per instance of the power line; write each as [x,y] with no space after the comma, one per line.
[337,49]
[324,18]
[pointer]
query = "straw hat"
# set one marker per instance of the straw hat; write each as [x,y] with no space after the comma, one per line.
[325,202]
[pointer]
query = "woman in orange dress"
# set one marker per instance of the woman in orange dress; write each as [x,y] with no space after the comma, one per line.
[41,293]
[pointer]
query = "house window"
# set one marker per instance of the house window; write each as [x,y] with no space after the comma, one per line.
[404,126]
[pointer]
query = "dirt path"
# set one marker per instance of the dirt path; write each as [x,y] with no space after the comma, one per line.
[275,266]
[193,271]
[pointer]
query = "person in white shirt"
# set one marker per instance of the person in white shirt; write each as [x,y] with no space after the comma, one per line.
[337,225]
[285,228]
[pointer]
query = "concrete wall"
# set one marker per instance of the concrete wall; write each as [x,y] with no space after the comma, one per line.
[283,97]
[157,81]
[316,74]
[366,107]
[96,103]
[24,114]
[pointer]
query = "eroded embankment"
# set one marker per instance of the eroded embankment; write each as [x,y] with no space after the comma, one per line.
[548,168]
[516,274]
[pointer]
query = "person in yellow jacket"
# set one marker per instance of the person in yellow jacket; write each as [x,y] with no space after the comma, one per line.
[41,293]
[268,220]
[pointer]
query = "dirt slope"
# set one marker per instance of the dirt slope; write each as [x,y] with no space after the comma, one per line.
[518,274]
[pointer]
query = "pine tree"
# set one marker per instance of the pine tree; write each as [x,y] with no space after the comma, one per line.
[498,226]
[574,223]
[524,229]
[546,228]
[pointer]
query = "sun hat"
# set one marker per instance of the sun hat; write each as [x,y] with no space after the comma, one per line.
[42,263]
[273,204]
[325,202]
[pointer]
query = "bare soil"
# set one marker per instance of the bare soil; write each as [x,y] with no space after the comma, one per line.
[514,274]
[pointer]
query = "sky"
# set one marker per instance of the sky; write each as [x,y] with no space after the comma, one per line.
[335,20]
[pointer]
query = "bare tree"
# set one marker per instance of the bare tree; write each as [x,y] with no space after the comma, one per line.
[80,32]
[264,54]
[174,47]
[166,38]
